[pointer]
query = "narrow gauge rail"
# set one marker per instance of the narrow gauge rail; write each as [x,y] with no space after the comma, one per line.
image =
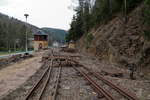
[127,94]
[39,83]
[122,91]
[54,93]
[51,89]
[43,85]
[95,85]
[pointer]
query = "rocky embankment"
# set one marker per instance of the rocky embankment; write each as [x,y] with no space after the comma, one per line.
[120,43]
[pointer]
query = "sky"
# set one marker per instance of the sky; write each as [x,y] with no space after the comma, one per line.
[42,13]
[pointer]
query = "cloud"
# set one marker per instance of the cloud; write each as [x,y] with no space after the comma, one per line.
[42,13]
[3,2]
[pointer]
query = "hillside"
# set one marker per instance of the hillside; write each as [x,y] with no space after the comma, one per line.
[114,31]
[5,19]
[55,34]
[12,33]
[120,43]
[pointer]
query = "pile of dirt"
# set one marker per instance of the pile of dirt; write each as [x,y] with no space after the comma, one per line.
[13,59]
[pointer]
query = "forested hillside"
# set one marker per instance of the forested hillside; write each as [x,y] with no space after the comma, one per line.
[12,33]
[55,34]
[117,31]
[92,13]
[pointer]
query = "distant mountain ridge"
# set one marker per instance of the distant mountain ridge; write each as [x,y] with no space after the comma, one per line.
[55,34]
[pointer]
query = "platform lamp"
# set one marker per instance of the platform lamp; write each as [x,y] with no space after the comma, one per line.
[26,16]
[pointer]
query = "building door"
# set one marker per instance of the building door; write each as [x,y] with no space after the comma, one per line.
[40,46]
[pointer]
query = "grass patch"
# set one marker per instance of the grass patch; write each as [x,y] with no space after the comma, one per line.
[4,53]
[147,34]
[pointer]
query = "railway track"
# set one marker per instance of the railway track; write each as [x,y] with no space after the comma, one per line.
[51,90]
[95,85]
[47,86]
[51,77]
[38,88]
[102,92]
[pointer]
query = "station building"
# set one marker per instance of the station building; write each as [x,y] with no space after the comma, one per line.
[40,40]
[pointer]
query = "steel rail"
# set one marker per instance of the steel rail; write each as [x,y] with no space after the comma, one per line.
[119,89]
[36,85]
[47,80]
[57,82]
[98,88]
[122,91]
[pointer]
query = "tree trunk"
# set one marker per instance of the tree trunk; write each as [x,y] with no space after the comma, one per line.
[110,6]
[125,11]
[14,46]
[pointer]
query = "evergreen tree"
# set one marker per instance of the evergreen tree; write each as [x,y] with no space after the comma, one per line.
[90,14]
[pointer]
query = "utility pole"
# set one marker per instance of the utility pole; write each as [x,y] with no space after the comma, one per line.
[26,16]
[124,18]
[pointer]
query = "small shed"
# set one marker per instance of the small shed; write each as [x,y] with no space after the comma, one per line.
[72,44]
[40,40]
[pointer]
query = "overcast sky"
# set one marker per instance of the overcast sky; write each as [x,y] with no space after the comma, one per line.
[43,13]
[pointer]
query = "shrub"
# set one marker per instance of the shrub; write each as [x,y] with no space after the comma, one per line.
[147,12]
[147,34]
[89,37]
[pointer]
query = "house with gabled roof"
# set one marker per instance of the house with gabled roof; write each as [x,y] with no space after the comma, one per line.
[40,40]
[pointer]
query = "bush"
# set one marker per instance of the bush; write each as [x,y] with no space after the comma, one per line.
[147,2]
[147,34]
[131,4]
[147,12]
[146,19]
[89,37]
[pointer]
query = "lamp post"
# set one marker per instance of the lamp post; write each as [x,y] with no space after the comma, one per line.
[26,16]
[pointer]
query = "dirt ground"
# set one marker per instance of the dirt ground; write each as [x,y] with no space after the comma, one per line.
[21,76]
[14,75]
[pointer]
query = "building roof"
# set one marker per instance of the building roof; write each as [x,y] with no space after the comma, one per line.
[40,32]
